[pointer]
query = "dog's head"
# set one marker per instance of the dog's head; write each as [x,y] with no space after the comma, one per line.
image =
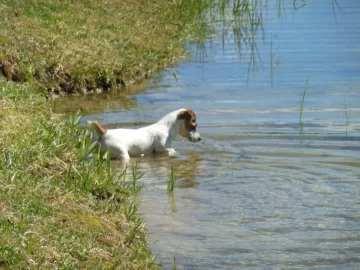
[188,126]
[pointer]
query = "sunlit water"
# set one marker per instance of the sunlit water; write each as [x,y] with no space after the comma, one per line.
[261,190]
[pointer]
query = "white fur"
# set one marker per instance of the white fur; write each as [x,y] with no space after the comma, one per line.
[155,138]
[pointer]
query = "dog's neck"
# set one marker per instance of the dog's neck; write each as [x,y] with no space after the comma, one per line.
[171,123]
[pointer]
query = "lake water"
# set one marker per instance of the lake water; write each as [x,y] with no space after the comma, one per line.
[262,189]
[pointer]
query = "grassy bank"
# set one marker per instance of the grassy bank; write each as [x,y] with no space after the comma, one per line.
[80,46]
[61,205]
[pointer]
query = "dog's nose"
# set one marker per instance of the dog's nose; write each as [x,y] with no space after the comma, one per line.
[199,139]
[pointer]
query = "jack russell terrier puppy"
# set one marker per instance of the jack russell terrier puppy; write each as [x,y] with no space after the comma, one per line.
[156,138]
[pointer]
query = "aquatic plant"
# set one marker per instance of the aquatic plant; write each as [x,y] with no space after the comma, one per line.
[171,182]
[136,176]
[302,100]
[273,63]
[347,117]
[333,3]
[174,267]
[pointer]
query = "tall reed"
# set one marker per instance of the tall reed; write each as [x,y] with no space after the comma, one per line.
[302,101]
[347,117]
[171,182]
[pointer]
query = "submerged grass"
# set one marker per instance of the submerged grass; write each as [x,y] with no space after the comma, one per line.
[61,204]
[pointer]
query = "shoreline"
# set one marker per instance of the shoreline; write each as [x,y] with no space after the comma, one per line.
[75,48]
[61,204]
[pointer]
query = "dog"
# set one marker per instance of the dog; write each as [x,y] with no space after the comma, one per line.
[156,138]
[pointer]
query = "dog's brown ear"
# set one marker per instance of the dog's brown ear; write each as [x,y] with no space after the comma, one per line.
[187,115]
[184,115]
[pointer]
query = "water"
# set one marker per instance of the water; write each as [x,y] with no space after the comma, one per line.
[261,190]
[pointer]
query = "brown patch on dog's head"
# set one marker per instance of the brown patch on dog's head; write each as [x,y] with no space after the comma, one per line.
[189,116]
[189,129]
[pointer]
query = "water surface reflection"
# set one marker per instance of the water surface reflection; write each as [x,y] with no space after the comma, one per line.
[260,190]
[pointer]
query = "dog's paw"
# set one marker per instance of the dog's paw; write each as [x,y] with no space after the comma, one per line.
[171,151]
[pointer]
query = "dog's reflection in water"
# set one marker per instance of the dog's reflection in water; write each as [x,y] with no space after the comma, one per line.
[157,169]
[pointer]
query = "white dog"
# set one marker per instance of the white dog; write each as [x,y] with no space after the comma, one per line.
[156,138]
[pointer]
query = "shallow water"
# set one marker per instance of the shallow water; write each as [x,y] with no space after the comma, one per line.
[261,190]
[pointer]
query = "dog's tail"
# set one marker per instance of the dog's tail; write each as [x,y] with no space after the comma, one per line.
[99,128]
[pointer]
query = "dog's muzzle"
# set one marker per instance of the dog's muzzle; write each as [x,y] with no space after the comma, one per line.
[194,136]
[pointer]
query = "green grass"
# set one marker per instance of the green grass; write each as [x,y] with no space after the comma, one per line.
[61,204]
[171,182]
[81,46]
[174,267]
[77,46]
